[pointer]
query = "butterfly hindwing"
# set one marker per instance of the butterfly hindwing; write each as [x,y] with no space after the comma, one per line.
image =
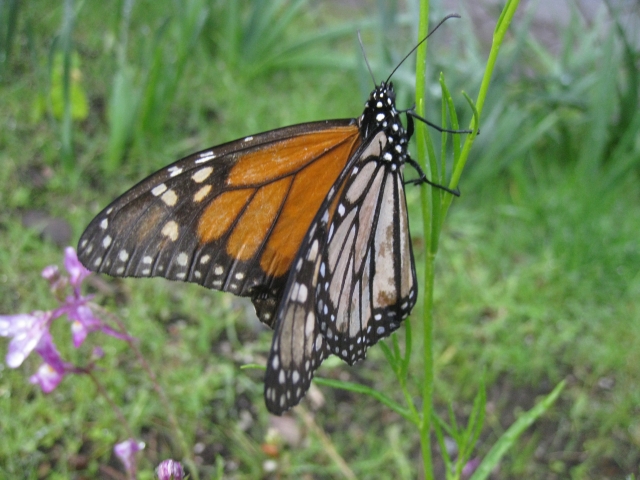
[353,280]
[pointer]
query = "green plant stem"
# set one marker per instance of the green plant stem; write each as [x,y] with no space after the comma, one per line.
[117,410]
[423,140]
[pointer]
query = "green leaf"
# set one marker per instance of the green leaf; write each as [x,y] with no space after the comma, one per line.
[508,439]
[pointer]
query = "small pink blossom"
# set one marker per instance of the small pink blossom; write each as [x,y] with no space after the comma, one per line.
[30,331]
[77,271]
[27,330]
[126,452]
[470,467]
[170,470]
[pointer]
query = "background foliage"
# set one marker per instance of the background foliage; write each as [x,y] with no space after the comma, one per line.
[538,274]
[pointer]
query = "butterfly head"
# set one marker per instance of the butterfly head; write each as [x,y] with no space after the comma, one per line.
[380,116]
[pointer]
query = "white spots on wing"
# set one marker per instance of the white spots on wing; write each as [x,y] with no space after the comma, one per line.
[109,210]
[169,198]
[197,274]
[281,379]
[205,157]
[159,190]
[97,262]
[313,251]
[201,193]
[181,275]
[170,230]
[299,293]
[310,324]
[89,249]
[205,259]
[106,241]
[399,148]
[395,127]
[387,156]
[325,217]
[318,343]
[173,171]
[123,255]
[83,243]
[146,271]
[248,139]
[295,377]
[202,174]
[104,223]
[239,276]
[147,260]
[341,210]
[218,270]
[380,117]
[120,270]
[323,269]
[182,259]
[379,105]
[275,363]
[299,265]
[217,283]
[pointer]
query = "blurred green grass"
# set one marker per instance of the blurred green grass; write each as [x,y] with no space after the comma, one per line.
[538,277]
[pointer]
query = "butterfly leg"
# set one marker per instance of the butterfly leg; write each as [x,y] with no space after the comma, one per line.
[423,179]
[411,113]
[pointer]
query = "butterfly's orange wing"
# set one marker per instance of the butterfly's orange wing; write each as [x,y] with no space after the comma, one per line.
[230,218]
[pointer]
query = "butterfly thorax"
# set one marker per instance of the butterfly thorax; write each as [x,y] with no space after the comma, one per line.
[381,117]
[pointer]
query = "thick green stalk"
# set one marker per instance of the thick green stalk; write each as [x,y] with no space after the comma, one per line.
[423,141]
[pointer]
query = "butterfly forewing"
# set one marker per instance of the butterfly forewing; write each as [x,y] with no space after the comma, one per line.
[230,218]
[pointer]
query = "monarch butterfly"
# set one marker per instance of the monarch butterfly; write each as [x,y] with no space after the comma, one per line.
[309,221]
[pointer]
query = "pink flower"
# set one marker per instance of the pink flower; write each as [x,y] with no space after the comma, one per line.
[53,370]
[27,330]
[170,470]
[30,331]
[126,452]
[77,271]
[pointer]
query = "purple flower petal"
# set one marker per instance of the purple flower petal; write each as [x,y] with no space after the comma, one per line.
[51,273]
[126,452]
[77,271]
[27,329]
[49,353]
[170,470]
[83,322]
[470,467]
[47,377]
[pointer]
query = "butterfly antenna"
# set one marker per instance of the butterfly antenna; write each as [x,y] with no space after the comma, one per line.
[364,54]
[451,15]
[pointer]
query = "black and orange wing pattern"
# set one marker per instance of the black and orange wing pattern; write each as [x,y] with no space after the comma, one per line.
[309,221]
[229,218]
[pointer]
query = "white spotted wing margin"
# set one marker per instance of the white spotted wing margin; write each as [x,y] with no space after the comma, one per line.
[353,280]
[150,231]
